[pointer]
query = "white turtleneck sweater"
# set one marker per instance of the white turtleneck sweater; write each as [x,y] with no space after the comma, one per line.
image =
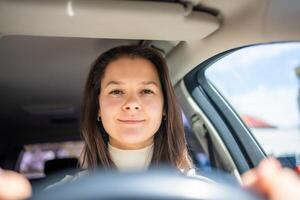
[127,160]
[131,160]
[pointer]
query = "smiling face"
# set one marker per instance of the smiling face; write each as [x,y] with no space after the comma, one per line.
[131,102]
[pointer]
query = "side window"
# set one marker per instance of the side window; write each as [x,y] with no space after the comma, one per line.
[262,84]
[39,160]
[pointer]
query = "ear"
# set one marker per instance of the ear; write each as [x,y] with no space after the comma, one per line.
[99,116]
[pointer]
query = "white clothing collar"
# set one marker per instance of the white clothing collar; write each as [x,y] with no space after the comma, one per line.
[131,160]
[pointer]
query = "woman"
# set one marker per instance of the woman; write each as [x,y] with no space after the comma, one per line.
[130,118]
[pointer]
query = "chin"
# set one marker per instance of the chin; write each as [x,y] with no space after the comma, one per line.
[133,140]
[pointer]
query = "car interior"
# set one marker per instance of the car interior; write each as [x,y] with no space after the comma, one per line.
[47,48]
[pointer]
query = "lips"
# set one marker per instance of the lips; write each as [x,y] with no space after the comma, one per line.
[131,121]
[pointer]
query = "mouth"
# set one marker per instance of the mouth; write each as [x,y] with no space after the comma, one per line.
[131,121]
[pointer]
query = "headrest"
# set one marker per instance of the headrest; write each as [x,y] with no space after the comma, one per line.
[60,164]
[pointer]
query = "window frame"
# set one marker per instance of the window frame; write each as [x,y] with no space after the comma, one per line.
[237,137]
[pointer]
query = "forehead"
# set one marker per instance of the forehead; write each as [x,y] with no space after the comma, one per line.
[130,69]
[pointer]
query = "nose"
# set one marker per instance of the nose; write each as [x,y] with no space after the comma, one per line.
[132,104]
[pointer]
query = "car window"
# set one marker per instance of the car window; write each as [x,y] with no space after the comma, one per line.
[61,154]
[262,83]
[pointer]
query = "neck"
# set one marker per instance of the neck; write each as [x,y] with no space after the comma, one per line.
[125,146]
[131,160]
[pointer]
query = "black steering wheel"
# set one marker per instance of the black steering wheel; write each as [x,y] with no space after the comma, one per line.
[153,184]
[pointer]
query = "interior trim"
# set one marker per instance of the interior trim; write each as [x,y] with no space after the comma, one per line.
[151,20]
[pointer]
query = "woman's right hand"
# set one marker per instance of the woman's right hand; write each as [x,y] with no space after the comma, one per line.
[13,186]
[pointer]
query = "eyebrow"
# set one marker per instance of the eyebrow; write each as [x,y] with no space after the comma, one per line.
[121,83]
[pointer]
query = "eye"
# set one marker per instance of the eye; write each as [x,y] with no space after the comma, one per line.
[116,92]
[147,91]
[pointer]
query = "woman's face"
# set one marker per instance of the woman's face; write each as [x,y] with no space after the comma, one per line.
[131,102]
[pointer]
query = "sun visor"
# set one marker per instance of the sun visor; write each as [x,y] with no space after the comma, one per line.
[105,19]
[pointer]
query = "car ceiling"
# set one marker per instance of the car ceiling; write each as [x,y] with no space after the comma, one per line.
[47,47]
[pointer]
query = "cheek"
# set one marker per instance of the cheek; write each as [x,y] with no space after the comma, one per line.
[154,108]
[108,106]
[154,111]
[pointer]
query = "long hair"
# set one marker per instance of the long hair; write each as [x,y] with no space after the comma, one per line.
[169,141]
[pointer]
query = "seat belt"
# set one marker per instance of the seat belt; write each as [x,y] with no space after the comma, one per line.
[201,133]
[210,147]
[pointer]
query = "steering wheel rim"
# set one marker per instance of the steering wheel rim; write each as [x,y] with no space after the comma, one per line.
[153,184]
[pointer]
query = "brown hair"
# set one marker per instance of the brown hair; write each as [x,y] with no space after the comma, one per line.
[169,141]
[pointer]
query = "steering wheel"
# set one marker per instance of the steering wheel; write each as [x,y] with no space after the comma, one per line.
[153,184]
